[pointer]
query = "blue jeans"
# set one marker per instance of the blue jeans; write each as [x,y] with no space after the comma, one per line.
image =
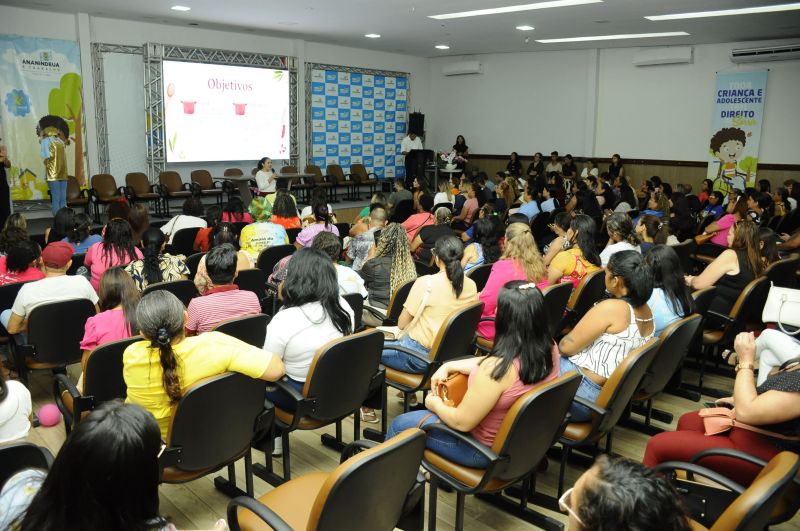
[587,389]
[400,361]
[58,194]
[22,337]
[443,444]
[282,400]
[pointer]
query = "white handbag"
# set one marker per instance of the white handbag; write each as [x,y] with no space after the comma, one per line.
[782,307]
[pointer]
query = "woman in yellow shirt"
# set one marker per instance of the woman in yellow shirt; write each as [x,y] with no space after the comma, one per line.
[158,370]
[579,257]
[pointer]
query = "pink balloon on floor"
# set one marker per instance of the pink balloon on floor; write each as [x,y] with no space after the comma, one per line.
[49,415]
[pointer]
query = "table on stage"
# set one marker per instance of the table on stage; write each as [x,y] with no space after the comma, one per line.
[435,172]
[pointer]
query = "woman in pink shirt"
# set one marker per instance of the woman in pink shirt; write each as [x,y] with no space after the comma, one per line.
[21,264]
[464,218]
[520,261]
[422,218]
[735,212]
[116,249]
[523,358]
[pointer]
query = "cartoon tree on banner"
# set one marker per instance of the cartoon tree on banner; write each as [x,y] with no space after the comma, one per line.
[67,102]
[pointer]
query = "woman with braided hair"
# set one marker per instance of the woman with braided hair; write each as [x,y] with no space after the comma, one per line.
[156,266]
[159,369]
[389,265]
[621,236]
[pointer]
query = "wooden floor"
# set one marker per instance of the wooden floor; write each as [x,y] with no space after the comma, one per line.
[197,505]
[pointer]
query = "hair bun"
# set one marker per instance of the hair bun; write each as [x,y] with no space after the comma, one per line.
[163,338]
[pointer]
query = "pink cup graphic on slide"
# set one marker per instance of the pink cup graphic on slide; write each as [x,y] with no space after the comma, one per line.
[239,108]
[188,107]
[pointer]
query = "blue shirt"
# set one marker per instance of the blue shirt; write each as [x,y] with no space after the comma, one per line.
[82,247]
[530,209]
[713,210]
[663,312]
[549,205]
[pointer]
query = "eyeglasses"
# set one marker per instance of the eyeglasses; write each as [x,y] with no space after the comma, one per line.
[565,504]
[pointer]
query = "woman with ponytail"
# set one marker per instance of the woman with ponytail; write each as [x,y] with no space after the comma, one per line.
[156,266]
[159,369]
[116,249]
[651,232]
[610,330]
[80,237]
[621,236]
[574,256]
[671,299]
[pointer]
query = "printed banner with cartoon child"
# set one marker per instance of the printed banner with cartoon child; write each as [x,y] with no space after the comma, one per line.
[39,77]
[736,130]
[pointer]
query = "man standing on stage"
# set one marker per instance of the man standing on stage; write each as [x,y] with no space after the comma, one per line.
[5,194]
[410,142]
[54,137]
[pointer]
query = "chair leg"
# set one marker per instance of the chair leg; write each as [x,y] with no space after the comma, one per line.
[608,441]
[565,451]
[432,503]
[286,453]
[248,472]
[460,511]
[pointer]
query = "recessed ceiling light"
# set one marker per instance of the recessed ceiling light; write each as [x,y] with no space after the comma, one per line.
[514,9]
[728,12]
[181,8]
[615,37]
[372,36]
[442,47]
[525,28]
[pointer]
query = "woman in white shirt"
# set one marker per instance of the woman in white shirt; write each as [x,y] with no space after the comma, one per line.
[15,410]
[265,177]
[589,169]
[621,236]
[444,195]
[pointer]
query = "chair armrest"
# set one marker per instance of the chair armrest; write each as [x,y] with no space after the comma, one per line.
[591,405]
[722,316]
[727,452]
[63,380]
[284,386]
[170,457]
[187,186]
[356,447]
[487,319]
[122,191]
[673,466]
[463,437]
[410,352]
[155,188]
[85,193]
[262,511]
[373,174]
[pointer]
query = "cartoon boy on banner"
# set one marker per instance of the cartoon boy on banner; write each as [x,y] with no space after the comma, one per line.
[727,145]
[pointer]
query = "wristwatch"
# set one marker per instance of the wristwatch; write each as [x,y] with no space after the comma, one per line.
[744,366]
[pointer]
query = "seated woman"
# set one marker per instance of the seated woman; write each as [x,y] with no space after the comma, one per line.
[671,299]
[63,222]
[444,197]
[731,271]
[205,237]
[117,249]
[468,210]
[617,493]
[423,242]
[520,261]
[431,300]
[21,264]
[37,499]
[389,265]
[16,409]
[156,266]
[523,357]
[657,205]
[621,236]
[773,405]
[610,330]
[651,231]
[80,236]
[485,246]
[576,255]
[313,314]
[158,370]
[234,212]
[284,211]
[262,233]
[736,211]
[226,234]
[322,223]
[15,229]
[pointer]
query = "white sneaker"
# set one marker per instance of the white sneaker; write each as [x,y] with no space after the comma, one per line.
[277,449]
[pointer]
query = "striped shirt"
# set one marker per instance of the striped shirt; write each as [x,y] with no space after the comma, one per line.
[219,304]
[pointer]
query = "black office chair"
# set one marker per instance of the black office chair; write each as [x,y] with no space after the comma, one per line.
[193,262]
[251,329]
[77,263]
[254,280]
[269,257]
[8,294]
[589,292]
[184,289]
[356,302]
[102,381]
[783,273]
[480,275]
[556,298]
[183,241]
[16,457]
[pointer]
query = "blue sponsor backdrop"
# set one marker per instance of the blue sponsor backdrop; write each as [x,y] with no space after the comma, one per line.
[358,118]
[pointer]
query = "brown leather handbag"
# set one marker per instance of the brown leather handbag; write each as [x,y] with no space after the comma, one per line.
[452,389]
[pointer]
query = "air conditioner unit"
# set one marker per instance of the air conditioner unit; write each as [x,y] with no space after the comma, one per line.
[663,55]
[462,68]
[772,53]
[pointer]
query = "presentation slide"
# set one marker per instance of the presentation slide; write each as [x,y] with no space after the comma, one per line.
[225,113]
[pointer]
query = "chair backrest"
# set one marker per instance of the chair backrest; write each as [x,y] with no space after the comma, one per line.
[232,172]
[456,337]
[56,330]
[378,478]
[269,257]
[588,293]
[703,299]
[77,262]
[254,280]
[531,426]
[684,251]
[251,329]
[402,211]
[356,302]
[104,185]
[203,179]
[620,386]
[335,363]
[103,372]
[555,302]
[315,170]
[138,182]
[289,169]
[360,171]
[292,235]
[215,420]
[193,262]
[539,226]
[399,297]
[183,241]
[783,273]
[8,294]
[184,289]
[335,171]
[480,275]
[73,189]
[747,307]
[423,269]
[170,181]
[19,456]
[675,342]
[751,510]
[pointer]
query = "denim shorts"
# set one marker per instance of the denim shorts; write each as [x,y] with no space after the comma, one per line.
[587,389]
